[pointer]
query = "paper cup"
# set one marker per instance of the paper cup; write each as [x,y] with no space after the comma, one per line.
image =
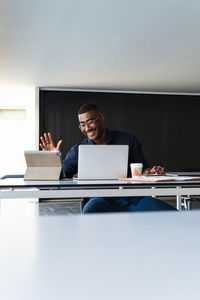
[136,169]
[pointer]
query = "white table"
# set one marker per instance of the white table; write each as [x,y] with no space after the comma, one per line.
[102,256]
[18,188]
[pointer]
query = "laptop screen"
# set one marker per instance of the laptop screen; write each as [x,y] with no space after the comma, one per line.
[102,161]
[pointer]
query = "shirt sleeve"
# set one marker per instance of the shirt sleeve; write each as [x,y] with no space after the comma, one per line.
[70,163]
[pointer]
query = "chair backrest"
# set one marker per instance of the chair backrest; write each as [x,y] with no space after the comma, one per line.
[12,176]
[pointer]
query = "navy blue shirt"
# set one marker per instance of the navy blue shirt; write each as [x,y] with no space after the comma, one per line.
[70,163]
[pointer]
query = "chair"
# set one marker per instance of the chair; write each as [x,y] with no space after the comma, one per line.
[12,176]
[83,202]
[186,201]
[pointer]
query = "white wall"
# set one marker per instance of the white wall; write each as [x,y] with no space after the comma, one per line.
[133,45]
[17,127]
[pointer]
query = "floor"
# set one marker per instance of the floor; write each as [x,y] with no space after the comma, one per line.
[35,208]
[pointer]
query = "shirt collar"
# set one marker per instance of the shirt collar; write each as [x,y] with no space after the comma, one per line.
[90,142]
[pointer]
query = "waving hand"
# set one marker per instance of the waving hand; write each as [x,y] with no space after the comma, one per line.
[48,144]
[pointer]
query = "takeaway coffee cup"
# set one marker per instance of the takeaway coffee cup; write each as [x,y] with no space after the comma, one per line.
[136,169]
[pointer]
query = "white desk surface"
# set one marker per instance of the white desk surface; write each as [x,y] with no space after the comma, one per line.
[18,188]
[20,182]
[120,256]
[65,183]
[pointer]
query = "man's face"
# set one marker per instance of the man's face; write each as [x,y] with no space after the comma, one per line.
[91,124]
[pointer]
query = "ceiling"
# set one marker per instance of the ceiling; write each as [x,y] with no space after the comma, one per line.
[137,45]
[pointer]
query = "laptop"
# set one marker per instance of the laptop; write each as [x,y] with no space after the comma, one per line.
[102,162]
[43,165]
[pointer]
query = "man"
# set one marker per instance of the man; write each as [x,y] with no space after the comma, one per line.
[91,123]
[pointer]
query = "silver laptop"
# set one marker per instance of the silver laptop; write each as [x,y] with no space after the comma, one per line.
[102,161]
[43,165]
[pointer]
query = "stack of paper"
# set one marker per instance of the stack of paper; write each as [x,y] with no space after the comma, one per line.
[158,178]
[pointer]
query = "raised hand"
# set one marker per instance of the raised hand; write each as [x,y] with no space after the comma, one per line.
[158,170]
[48,144]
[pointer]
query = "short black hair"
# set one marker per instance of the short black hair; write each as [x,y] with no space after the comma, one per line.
[87,107]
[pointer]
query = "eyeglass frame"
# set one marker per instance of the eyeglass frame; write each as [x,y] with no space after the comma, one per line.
[88,123]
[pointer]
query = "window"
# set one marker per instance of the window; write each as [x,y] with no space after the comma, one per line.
[18,129]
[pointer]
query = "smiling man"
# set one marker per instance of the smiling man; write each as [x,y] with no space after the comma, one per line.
[91,123]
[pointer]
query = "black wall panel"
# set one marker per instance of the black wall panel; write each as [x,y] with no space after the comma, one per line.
[167,125]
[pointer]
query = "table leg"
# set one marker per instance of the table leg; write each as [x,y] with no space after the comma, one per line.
[178,202]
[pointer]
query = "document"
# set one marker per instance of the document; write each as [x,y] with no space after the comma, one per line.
[159,178]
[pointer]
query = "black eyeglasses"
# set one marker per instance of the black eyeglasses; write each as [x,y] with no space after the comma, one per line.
[88,123]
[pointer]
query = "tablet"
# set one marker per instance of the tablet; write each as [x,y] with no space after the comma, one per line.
[43,165]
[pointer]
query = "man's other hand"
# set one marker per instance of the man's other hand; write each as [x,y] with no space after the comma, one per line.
[158,170]
[48,144]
